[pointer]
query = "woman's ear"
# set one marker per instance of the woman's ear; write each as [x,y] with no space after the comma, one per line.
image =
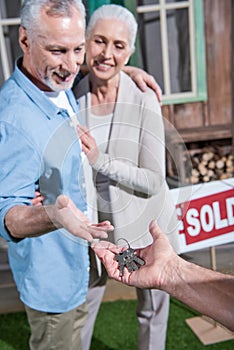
[23,39]
[128,57]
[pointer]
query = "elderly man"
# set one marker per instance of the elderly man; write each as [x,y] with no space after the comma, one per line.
[48,249]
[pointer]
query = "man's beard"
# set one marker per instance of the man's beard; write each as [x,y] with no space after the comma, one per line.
[62,86]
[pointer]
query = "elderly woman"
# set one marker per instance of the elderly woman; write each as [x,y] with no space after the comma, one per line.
[123,139]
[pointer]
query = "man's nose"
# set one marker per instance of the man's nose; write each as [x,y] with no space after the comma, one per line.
[70,63]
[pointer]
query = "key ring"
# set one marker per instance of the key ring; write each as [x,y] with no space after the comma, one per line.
[123,240]
[127,258]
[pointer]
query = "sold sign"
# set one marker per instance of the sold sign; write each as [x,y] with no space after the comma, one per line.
[207,217]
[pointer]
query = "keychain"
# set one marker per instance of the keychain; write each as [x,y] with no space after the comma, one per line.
[129,259]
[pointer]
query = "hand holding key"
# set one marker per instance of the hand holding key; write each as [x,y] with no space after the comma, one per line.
[157,257]
[129,259]
[167,271]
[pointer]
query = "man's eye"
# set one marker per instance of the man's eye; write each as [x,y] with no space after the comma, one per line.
[79,49]
[57,52]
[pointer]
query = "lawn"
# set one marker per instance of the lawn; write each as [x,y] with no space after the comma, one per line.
[115,329]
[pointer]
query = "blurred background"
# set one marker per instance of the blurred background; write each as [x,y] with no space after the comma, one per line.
[188,47]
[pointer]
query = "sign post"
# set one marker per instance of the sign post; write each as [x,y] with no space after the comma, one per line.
[206,218]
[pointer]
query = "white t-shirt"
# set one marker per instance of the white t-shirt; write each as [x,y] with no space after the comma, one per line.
[60,100]
[99,127]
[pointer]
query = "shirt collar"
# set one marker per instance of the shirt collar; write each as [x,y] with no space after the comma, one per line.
[38,97]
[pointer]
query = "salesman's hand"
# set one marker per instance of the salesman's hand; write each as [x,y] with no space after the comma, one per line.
[67,215]
[159,258]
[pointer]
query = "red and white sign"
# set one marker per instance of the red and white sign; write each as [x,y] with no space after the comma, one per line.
[206,214]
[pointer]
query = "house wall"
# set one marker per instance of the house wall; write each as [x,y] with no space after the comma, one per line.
[212,119]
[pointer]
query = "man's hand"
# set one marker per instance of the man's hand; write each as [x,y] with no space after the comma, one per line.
[142,79]
[67,215]
[158,257]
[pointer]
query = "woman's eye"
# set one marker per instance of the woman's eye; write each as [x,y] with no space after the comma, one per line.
[98,41]
[120,47]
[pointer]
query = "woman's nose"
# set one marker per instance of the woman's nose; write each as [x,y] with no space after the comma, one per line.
[107,52]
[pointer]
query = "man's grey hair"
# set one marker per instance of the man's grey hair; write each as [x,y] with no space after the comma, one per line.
[115,12]
[30,11]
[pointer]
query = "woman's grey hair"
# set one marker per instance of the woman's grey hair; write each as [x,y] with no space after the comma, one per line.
[115,12]
[30,11]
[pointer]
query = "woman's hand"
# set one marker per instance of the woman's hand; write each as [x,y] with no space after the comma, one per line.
[89,146]
[38,199]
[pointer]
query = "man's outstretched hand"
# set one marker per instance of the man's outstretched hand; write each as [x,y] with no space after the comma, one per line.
[67,215]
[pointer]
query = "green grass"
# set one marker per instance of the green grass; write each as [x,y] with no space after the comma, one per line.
[115,329]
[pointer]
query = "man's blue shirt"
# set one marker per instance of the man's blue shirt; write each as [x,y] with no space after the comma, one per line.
[39,150]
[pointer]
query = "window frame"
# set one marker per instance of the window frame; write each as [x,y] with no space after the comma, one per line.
[200,90]
[197,49]
[4,54]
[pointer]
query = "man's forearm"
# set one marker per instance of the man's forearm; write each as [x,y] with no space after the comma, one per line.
[30,221]
[207,291]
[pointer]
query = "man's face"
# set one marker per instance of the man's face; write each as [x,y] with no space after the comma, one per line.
[54,55]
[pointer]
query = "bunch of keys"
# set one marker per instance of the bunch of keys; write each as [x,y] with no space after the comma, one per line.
[129,259]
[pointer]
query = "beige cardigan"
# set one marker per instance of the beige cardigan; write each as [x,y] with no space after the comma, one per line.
[135,163]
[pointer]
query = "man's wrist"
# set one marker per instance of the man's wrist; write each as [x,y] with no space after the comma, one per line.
[52,213]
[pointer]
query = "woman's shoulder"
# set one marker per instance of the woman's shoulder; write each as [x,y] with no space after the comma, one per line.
[147,98]
[127,82]
[81,87]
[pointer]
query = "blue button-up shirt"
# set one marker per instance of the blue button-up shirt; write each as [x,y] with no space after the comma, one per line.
[39,150]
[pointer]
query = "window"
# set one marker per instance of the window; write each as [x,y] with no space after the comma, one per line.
[9,48]
[170,43]
[171,46]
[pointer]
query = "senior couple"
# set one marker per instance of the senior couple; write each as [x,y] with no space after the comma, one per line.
[45,134]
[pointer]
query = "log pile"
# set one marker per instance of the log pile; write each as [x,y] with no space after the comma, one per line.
[209,164]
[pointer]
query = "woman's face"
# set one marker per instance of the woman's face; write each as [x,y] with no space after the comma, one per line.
[107,49]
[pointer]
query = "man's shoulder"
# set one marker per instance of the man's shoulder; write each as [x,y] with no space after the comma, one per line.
[9,97]
[11,88]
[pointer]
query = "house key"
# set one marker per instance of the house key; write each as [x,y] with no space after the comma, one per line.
[129,259]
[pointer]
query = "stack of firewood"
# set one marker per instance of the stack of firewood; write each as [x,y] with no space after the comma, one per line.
[209,164]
